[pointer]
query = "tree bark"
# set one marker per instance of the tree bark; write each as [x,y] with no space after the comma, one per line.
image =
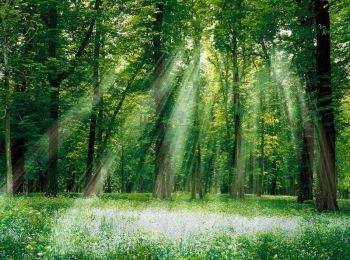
[7,119]
[306,167]
[122,170]
[19,148]
[89,188]
[160,146]
[52,184]
[55,78]
[308,70]
[327,186]
[237,190]
[262,148]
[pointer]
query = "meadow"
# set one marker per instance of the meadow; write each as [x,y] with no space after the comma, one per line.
[135,226]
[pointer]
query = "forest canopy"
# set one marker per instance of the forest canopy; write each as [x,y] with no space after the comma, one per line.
[159,96]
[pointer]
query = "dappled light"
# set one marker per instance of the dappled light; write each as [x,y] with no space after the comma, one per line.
[158,129]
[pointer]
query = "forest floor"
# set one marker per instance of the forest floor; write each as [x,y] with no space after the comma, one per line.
[125,226]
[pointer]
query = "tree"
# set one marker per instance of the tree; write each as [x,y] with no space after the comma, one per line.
[6,85]
[55,78]
[89,188]
[326,172]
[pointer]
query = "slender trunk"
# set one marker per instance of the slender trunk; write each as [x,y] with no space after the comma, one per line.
[71,180]
[122,170]
[52,185]
[193,181]
[199,172]
[89,188]
[251,173]
[160,149]
[7,120]
[274,177]
[262,149]
[237,189]
[19,148]
[19,144]
[327,185]
[108,187]
[196,165]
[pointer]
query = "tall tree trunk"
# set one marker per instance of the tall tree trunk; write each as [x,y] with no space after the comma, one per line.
[237,189]
[160,147]
[274,177]
[53,79]
[307,151]
[196,161]
[19,144]
[262,148]
[122,170]
[7,119]
[327,185]
[90,184]
[19,148]
[251,173]
[306,21]
[193,181]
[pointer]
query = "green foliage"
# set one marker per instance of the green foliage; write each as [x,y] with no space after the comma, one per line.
[27,226]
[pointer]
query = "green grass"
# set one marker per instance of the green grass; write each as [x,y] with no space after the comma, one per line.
[69,227]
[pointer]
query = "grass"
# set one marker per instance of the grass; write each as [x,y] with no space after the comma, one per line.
[125,226]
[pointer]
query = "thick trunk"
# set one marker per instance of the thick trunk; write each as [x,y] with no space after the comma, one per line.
[306,22]
[327,186]
[55,78]
[18,164]
[306,167]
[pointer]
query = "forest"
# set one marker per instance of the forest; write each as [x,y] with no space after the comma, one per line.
[175,129]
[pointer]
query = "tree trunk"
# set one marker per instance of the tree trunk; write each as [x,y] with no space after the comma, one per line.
[19,148]
[89,188]
[251,173]
[7,120]
[262,149]
[54,101]
[327,186]
[237,190]
[196,161]
[274,177]
[160,149]
[19,144]
[55,78]
[193,181]
[306,22]
[122,170]
[305,176]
